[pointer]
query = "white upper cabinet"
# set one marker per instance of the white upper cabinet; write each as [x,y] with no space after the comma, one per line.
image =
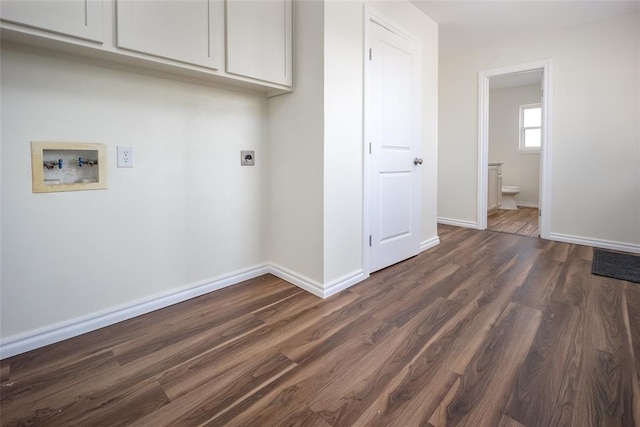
[259,39]
[187,31]
[76,18]
[249,46]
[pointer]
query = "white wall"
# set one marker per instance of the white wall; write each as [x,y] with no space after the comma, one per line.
[329,75]
[186,214]
[518,169]
[596,131]
[343,145]
[296,154]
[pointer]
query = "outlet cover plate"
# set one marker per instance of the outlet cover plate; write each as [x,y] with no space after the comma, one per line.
[125,156]
[247,158]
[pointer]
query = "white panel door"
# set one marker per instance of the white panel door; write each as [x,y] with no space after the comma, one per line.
[186,31]
[259,39]
[77,18]
[392,128]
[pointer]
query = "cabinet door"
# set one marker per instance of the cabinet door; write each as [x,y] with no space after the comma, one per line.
[76,18]
[259,39]
[186,31]
[492,193]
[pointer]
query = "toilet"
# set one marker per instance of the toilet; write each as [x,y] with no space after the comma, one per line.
[509,197]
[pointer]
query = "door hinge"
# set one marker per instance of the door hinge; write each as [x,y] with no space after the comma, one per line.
[370,54]
[369,239]
[369,148]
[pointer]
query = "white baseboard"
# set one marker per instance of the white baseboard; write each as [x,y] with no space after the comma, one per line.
[344,282]
[51,334]
[314,287]
[597,243]
[429,243]
[299,280]
[527,204]
[458,223]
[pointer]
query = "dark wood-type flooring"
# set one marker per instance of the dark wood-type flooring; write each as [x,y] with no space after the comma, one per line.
[486,329]
[523,221]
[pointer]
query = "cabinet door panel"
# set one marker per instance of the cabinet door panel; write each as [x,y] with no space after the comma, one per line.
[492,193]
[259,39]
[187,31]
[76,18]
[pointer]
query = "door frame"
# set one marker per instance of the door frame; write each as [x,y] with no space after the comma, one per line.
[373,17]
[546,65]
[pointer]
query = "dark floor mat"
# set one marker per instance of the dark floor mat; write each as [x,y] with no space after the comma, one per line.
[616,265]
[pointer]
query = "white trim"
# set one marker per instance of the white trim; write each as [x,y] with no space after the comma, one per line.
[545,152]
[312,286]
[344,282]
[527,204]
[458,223]
[429,243]
[41,337]
[366,163]
[299,280]
[61,331]
[597,243]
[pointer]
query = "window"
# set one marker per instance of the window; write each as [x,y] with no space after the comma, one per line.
[530,129]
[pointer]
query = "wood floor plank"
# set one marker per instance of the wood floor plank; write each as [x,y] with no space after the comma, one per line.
[572,284]
[5,370]
[508,422]
[304,417]
[491,303]
[213,397]
[536,290]
[363,384]
[485,329]
[181,379]
[523,221]
[421,295]
[631,309]
[301,384]
[440,416]
[544,392]
[490,373]
[605,395]
[43,392]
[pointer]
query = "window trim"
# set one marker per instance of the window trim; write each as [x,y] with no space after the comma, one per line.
[521,148]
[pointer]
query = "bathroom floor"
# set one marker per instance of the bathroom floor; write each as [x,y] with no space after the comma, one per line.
[524,221]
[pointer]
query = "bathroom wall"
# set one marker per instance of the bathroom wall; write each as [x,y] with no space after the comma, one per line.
[518,169]
[186,214]
[595,178]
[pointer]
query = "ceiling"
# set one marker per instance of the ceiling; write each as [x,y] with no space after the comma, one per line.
[477,24]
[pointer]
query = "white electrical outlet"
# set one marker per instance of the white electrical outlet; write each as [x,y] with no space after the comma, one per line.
[125,156]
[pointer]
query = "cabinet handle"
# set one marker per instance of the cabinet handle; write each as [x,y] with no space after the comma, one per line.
[417,161]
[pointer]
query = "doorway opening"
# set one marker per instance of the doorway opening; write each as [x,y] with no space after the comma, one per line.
[514,149]
[515,136]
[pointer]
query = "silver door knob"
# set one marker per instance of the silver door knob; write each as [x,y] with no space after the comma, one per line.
[417,161]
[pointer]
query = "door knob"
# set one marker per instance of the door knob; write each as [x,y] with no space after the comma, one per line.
[417,161]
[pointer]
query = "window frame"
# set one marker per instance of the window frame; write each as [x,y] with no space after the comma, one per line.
[522,149]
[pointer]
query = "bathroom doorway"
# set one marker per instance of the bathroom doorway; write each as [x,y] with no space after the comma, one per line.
[515,135]
[514,161]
